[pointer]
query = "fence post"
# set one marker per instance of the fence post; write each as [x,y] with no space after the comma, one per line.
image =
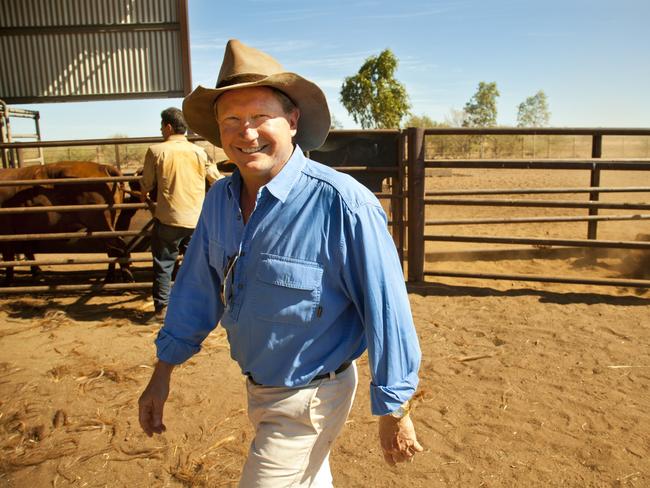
[415,182]
[596,152]
[397,204]
[117,157]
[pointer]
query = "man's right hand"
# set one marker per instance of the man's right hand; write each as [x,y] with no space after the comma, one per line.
[153,398]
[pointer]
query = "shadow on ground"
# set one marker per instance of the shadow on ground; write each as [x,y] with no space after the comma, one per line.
[105,309]
[437,289]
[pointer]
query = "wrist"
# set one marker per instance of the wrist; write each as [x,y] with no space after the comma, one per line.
[163,369]
[402,411]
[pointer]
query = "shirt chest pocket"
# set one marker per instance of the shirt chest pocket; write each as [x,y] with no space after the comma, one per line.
[216,257]
[286,290]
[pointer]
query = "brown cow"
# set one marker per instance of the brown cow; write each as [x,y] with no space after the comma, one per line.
[47,222]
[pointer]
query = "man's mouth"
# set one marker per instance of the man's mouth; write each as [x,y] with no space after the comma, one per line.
[252,150]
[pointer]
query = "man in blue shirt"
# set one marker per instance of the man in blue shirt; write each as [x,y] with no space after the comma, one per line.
[295,261]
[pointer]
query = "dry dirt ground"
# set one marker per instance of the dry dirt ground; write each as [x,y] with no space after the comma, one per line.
[522,384]
[519,387]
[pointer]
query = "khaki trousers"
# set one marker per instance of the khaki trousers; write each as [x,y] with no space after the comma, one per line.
[294,431]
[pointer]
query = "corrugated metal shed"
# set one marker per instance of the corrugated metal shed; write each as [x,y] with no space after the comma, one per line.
[69,50]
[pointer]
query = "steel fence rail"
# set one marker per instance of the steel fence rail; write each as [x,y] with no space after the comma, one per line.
[95,288]
[543,279]
[530,220]
[70,235]
[536,203]
[531,131]
[574,164]
[533,191]
[73,261]
[539,242]
[68,181]
[71,208]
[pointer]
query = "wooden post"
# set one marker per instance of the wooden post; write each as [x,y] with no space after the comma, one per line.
[185,46]
[596,152]
[416,181]
[117,157]
[20,157]
[397,204]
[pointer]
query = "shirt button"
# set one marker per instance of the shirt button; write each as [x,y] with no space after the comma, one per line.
[238,217]
[240,286]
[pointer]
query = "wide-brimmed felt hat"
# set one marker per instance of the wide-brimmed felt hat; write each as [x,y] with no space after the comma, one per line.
[246,67]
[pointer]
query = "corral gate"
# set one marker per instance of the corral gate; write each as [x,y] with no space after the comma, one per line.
[394,164]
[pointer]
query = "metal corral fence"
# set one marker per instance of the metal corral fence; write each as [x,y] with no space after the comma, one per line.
[394,165]
[419,199]
[373,157]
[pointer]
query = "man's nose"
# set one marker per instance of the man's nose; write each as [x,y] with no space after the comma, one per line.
[248,131]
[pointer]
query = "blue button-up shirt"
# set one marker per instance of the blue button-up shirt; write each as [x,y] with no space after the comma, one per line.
[316,280]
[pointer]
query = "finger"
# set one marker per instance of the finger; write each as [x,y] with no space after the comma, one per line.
[389,458]
[417,446]
[400,457]
[157,418]
[145,419]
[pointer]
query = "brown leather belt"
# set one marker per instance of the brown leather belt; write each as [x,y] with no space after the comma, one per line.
[319,377]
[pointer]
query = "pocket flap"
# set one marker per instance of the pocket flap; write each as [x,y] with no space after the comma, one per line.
[290,272]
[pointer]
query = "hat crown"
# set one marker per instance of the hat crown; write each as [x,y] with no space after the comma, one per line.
[240,59]
[247,67]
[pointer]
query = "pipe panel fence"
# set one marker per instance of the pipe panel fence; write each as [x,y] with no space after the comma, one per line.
[413,174]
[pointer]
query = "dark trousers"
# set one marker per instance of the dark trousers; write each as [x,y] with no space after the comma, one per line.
[166,242]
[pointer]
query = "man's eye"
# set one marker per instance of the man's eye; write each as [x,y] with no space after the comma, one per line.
[230,121]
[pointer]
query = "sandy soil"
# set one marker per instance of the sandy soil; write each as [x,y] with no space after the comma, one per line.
[520,387]
[522,384]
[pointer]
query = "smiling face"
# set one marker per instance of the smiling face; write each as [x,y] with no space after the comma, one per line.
[256,131]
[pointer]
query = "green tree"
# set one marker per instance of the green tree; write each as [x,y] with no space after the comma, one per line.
[423,121]
[481,110]
[373,97]
[533,112]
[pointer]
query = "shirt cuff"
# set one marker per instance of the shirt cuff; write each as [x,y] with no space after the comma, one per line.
[172,350]
[384,399]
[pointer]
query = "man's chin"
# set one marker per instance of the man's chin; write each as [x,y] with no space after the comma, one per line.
[254,164]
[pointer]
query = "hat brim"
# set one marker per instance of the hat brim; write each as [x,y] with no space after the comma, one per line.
[313,125]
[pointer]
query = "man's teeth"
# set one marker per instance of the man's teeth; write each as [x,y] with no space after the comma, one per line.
[251,150]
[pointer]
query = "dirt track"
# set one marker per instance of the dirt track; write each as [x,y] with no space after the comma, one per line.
[520,387]
[522,384]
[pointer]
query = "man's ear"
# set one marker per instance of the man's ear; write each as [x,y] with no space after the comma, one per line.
[293,118]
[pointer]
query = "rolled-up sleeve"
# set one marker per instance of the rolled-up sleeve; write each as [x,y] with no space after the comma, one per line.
[148,181]
[212,173]
[373,277]
[194,305]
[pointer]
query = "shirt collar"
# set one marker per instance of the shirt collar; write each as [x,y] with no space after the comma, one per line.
[281,184]
[177,137]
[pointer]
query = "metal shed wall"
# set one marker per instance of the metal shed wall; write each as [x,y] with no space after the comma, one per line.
[66,50]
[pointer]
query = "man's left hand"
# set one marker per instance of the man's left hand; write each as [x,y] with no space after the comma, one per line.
[397,438]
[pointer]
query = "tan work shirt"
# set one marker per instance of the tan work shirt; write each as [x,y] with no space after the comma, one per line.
[179,170]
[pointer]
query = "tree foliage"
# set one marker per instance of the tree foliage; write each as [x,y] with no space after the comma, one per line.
[533,112]
[423,121]
[481,110]
[373,97]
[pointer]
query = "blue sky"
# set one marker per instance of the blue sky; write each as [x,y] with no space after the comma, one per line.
[591,57]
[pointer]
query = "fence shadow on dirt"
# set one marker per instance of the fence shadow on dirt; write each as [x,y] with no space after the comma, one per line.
[113,311]
[561,298]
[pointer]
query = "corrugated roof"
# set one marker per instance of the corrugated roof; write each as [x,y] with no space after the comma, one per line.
[93,49]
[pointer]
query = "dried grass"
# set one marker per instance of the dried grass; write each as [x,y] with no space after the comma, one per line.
[205,468]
